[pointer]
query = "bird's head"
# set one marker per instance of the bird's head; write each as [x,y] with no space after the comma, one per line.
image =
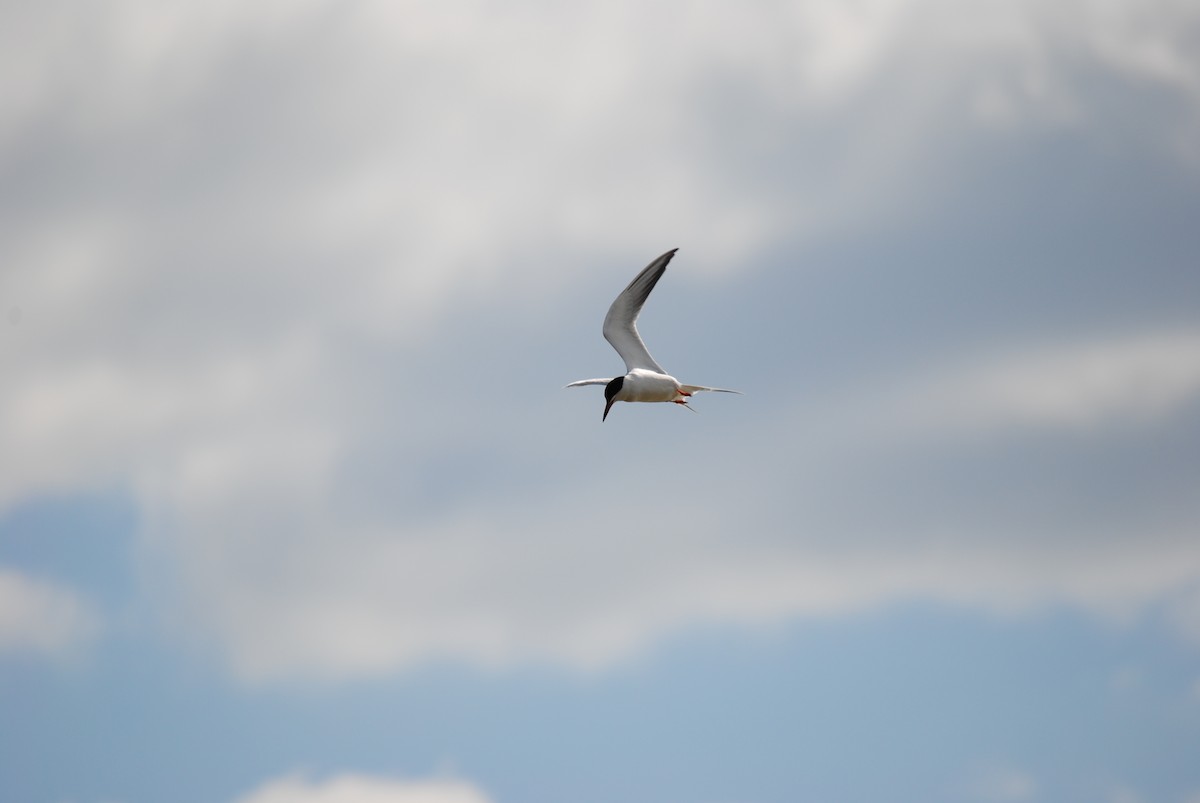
[610,394]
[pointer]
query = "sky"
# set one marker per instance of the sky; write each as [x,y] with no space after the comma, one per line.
[294,506]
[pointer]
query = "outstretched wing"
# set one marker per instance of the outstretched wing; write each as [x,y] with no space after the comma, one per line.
[583,382]
[620,324]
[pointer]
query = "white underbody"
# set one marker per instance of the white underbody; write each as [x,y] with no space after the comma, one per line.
[645,385]
[641,385]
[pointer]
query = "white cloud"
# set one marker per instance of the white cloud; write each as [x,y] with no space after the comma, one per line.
[324,591]
[40,617]
[271,564]
[1136,379]
[1125,794]
[352,788]
[1154,41]
[1002,784]
[241,236]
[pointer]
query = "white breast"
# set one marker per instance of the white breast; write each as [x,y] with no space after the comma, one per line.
[648,386]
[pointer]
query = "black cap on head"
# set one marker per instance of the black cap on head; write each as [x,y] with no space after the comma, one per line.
[610,393]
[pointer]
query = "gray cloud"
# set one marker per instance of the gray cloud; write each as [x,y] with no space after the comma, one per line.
[42,618]
[284,272]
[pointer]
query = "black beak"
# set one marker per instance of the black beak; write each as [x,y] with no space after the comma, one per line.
[607,406]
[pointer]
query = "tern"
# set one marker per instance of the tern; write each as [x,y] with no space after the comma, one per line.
[644,380]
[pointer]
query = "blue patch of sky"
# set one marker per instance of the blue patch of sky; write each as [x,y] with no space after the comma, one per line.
[900,705]
[83,541]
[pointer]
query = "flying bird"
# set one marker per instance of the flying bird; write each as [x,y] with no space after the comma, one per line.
[645,380]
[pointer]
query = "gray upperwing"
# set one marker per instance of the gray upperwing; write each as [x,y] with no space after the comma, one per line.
[620,324]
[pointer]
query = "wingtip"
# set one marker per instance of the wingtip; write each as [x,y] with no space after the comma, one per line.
[665,258]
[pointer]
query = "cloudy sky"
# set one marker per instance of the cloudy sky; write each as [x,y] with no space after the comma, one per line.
[294,506]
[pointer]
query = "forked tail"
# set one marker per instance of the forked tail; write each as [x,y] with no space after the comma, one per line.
[690,389]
